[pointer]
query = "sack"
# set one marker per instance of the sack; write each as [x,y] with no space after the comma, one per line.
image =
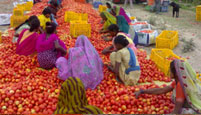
[145,37]
[5,19]
[140,25]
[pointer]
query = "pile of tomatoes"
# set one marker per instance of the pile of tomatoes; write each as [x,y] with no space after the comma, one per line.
[26,88]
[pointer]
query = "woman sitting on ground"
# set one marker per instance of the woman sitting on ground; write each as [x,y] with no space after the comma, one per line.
[116,11]
[76,103]
[25,25]
[44,18]
[83,62]
[124,62]
[49,47]
[108,19]
[185,87]
[26,43]
[113,32]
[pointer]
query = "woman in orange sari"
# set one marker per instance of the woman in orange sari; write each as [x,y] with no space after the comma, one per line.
[26,44]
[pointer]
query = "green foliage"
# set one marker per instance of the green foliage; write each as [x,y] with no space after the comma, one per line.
[188,45]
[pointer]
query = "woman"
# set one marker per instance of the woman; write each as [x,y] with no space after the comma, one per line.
[124,62]
[83,62]
[53,6]
[25,25]
[109,7]
[45,17]
[116,11]
[186,89]
[49,47]
[108,19]
[76,101]
[26,43]
[123,24]
[113,32]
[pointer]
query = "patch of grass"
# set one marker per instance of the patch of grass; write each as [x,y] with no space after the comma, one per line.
[188,45]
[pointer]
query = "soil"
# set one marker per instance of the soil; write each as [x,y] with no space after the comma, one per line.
[186,25]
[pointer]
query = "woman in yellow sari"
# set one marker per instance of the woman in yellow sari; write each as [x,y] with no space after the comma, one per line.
[108,19]
[72,99]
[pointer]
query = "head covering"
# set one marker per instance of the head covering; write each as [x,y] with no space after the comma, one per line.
[122,24]
[121,11]
[72,99]
[83,62]
[110,20]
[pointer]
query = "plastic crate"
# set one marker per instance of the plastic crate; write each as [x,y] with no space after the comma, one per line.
[160,57]
[17,20]
[166,3]
[164,8]
[28,6]
[102,8]
[198,13]
[0,37]
[18,11]
[72,16]
[78,28]
[167,39]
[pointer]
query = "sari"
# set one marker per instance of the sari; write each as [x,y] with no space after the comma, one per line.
[47,54]
[110,20]
[19,30]
[129,70]
[83,62]
[122,24]
[191,87]
[43,21]
[26,44]
[73,100]
[121,11]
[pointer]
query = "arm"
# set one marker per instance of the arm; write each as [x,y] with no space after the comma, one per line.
[154,91]
[178,107]
[59,47]
[108,50]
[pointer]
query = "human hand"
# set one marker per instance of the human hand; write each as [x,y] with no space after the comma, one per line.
[56,43]
[137,94]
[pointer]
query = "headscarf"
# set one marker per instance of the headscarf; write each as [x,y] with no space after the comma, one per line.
[121,11]
[72,99]
[122,24]
[110,20]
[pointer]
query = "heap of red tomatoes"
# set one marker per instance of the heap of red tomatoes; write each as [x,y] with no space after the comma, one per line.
[25,88]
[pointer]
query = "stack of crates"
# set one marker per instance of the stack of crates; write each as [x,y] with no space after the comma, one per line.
[79,27]
[102,8]
[164,7]
[18,16]
[72,16]
[198,13]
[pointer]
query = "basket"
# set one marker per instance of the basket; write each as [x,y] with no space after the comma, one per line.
[72,16]
[102,8]
[78,28]
[18,11]
[167,39]
[17,20]
[198,13]
[160,57]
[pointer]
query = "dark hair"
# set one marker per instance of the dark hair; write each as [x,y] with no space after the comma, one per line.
[120,39]
[46,11]
[50,27]
[113,28]
[108,4]
[54,3]
[172,67]
[35,24]
[27,21]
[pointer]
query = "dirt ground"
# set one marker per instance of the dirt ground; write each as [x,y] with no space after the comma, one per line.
[186,25]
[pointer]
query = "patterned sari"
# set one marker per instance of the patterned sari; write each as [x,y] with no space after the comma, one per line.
[110,20]
[191,87]
[72,99]
[83,62]
[121,11]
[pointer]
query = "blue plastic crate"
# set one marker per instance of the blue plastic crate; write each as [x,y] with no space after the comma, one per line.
[164,8]
[96,4]
[166,3]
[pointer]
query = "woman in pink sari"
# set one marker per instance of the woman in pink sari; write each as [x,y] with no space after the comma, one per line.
[83,62]
[116,11]
[26,43]
[49,47]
